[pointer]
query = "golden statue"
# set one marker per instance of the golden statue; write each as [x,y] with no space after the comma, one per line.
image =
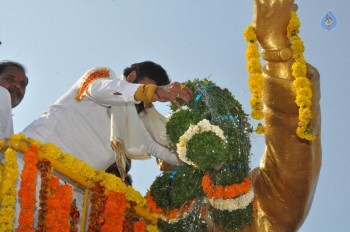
[286,180]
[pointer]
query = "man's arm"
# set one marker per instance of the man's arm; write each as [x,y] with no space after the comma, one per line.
[108,90]
[286,180]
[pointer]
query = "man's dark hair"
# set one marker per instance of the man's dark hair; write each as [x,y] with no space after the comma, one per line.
[112,169]
[148,69]
[7,63]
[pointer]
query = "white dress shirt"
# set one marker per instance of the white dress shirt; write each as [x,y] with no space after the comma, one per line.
[83,128]
[6,124]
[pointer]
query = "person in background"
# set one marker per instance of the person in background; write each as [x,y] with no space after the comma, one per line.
[13,83]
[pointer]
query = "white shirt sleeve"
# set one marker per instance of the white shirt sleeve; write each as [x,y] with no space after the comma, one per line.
[111,91]
[6,124]
[159,151]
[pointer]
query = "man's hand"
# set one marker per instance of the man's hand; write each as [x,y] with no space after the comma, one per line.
[172,93]
[270,21]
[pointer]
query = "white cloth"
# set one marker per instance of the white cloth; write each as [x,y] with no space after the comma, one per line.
[83,128]
[126,125]
[6,124]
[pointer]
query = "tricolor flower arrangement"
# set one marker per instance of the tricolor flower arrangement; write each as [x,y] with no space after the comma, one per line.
[211,137]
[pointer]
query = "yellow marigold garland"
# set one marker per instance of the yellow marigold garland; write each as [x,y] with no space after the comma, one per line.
[152,228]
[255,79]
[109,181]
[8,191]
[299,69]
[20,143]
[301,83]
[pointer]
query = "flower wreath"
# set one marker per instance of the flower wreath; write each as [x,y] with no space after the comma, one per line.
[200,127]
[211,136]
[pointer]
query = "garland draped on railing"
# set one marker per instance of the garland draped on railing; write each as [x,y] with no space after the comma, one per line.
[57,210]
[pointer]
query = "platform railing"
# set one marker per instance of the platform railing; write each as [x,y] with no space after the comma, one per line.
[71,171]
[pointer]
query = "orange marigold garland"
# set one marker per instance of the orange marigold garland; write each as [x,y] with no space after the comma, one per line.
[58,206]
[45,169]
[140,226]
[224,192]
[74,217]
[114,212]
[167,215]
[152,205]
[27,189]
[98,203]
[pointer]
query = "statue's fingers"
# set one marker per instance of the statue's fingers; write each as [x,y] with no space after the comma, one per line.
[295,7]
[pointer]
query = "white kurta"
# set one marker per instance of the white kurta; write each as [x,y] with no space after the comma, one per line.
[83,128]
[6,124]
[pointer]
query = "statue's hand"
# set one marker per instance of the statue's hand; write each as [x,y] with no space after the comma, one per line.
[271,18]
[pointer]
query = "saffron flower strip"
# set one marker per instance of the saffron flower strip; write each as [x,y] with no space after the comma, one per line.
[175,217]
[169,216]
[224,192]
[140,226]
[58,206]
[114,212]
[27,189]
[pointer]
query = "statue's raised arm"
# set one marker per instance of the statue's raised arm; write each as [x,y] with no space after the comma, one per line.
[286,180]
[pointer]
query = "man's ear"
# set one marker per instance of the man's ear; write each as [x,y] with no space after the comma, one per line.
[132,76]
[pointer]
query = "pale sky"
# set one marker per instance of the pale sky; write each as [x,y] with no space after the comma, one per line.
[58,40]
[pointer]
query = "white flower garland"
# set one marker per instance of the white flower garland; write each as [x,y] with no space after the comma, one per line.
[240,202]
[178,110]
[201,127]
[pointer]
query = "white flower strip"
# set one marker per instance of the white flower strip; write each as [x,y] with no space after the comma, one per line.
[178,110]
[201,127]
[240,202]
[180,216]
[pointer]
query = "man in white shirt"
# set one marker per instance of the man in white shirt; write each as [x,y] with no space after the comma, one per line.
[13,83]
[97,121]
